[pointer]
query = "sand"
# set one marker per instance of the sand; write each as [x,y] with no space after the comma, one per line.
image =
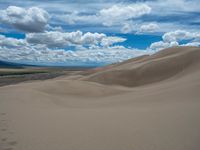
[147,103]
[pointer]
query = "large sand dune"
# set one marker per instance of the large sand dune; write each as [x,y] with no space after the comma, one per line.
[146,103]
[145,70]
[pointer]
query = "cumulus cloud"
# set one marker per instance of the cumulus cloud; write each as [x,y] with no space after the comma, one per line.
[119,13]
[162,45]
[33,19]
[148,28]
[173,38]
[179,35]
[62,39]
[110,16]
[21,51]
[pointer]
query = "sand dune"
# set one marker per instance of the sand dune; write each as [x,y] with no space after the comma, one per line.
[149,69]
[146,103]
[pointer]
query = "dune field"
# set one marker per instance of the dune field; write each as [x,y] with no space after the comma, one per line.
[145,103]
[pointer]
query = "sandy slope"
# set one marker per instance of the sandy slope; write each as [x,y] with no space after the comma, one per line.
[70,113]
[163,65]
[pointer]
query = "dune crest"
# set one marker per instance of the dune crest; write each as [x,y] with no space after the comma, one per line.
[149,69]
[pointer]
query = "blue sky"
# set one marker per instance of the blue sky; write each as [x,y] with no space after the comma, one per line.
[94,32]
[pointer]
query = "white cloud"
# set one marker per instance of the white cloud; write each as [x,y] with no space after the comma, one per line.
[62,39]
[11,42]
[162,45]
[127,27]
[192,44]
[58,39]
[33,19]
[20,51]
[109,41]
[117,14]
[172,38]
[179,35]
[37,49]
[130,26]
[148,28]
[92,38]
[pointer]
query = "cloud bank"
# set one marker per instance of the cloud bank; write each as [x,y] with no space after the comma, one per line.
[19,50]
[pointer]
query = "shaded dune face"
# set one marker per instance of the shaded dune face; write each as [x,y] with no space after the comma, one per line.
[149,69]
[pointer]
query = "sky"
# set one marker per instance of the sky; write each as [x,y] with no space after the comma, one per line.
[94,32]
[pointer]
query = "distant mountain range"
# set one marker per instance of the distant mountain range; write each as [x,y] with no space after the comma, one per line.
[5,64]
